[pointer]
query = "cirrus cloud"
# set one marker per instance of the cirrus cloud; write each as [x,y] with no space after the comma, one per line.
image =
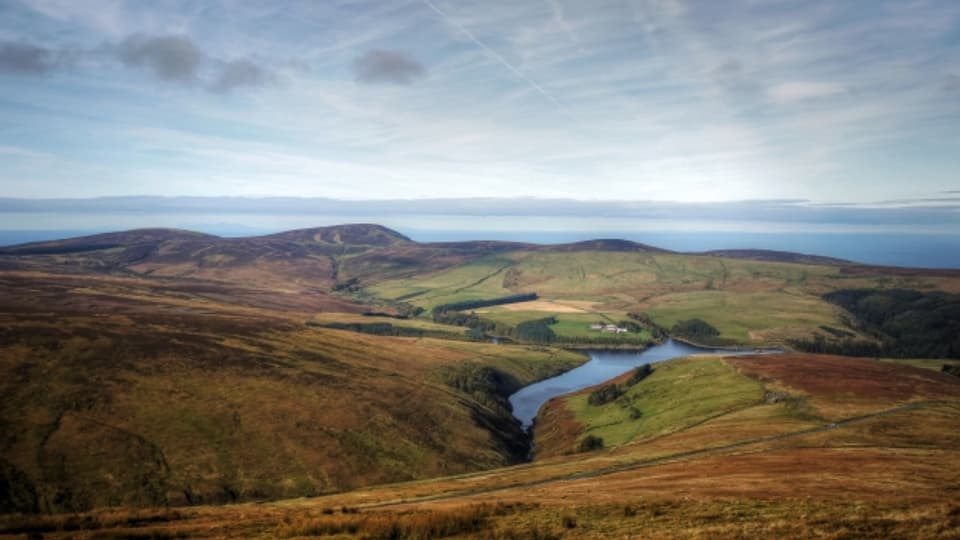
[794,91]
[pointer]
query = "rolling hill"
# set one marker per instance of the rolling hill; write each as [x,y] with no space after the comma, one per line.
[120,392]
[157,368]
[806,446]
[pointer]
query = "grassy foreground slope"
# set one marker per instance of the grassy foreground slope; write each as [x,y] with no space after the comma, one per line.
[676,395]
[120,391]
[689,396]
[848,449]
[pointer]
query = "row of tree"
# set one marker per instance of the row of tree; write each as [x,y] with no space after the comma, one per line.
[476,304]
[384,329]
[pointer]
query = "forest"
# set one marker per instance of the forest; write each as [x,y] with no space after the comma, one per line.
[903,323]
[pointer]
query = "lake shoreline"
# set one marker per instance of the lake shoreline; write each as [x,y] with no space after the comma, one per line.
[729,348]
[604,364]
[578,347]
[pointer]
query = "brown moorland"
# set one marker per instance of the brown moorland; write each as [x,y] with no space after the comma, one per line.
[135,392]
[854,477]
[148,375]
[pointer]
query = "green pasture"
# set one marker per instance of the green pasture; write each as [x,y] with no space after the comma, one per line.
[677,395]
[736,314]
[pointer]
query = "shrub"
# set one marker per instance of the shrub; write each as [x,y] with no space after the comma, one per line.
[476,334]
[591,443]
[630,326]
[695,329]
[639,374]
[537,331]
[604,394]
[387,525]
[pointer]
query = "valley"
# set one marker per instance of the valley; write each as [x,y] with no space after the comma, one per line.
[335,381]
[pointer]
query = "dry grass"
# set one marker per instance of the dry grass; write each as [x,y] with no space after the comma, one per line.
[123,393]
[551,306]
[386,525]
[840,386]
[887,476]
[648,517]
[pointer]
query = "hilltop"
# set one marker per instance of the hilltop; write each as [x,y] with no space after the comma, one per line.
[750,297]
[776,256]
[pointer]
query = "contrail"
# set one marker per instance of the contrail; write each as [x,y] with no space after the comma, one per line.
[497,57]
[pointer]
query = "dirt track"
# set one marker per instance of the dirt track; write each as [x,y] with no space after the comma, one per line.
[666,459]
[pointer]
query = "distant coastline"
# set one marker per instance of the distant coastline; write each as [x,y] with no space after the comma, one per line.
[912,250]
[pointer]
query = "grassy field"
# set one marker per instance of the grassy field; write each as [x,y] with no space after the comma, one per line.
[120,392]
[420,324]
[153,381]
[333,317]
[762,317]
[768,469]
[477,280]
[750,302]
[735,517]
[568,325]
[677,395]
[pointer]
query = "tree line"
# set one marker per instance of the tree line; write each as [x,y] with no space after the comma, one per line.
[476,304]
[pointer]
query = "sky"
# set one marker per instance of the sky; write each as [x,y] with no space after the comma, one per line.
[851,104]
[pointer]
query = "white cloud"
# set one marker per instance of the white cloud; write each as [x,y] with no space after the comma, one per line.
[647,108]
[790,92]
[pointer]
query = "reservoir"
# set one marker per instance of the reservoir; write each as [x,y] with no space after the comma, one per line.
[603,366]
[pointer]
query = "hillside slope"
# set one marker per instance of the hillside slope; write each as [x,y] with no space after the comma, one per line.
[306,258]
[830,447]
[162,367]
[120,391]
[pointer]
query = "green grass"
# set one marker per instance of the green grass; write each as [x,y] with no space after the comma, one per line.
[413,323]
[568,325]
[585,274]
[526,364]
[577,325]
[512,317]
[477,280]
[735,314]
[678,394]
[775,301]
[572,324]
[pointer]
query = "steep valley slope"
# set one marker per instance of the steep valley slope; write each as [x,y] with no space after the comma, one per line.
[119,392]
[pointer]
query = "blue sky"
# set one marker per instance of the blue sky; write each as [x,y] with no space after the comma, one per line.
[854,103]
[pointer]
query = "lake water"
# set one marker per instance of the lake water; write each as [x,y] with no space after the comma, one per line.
[603,366]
